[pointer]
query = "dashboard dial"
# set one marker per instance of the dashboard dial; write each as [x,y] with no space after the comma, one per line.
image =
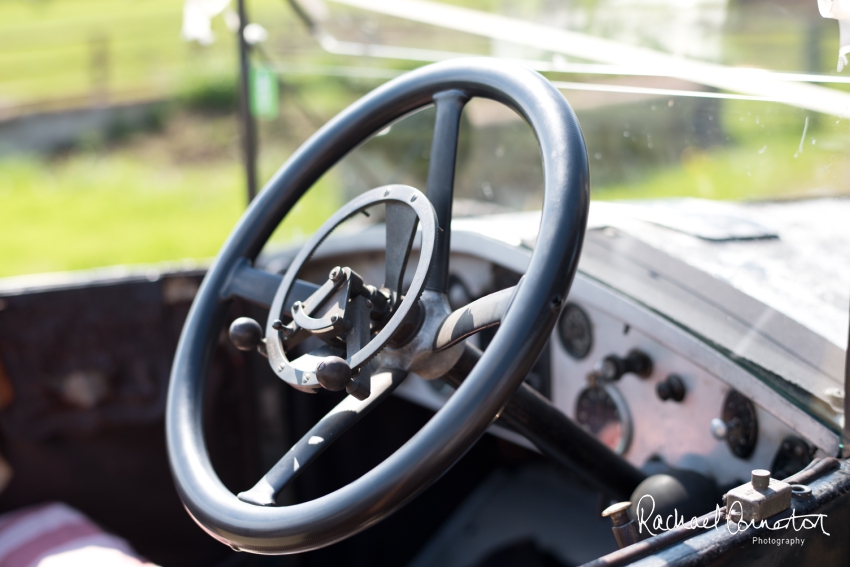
[602,411]
[739,414]
[575,331]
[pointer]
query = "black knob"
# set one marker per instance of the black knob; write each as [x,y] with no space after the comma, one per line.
[333,373]
[245,333]
[638,362]
[612,367]
[671,389]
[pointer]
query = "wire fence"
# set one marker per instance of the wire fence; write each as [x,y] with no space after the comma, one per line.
[58,55]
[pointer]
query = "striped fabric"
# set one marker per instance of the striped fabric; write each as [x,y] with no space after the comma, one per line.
[56,535]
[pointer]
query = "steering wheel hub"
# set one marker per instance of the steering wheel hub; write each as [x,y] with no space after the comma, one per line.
[346,322]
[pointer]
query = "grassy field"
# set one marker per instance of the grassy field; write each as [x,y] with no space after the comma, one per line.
[67,53]
[760,151]
[161,197]
[88,210]
[91,211]
[157,196]
[51,49]
[177,193]
[54,50]
[774,171]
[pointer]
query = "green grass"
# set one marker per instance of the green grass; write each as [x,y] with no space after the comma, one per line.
[178,194]
[92,210]
[774,170]
[764,157]
[47,47]
[149,199]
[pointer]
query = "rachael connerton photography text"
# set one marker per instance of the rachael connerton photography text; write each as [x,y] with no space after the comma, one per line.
[658,524]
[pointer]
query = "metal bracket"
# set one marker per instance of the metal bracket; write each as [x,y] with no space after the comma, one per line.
[761,498]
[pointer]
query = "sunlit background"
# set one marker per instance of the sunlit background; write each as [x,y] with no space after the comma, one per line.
[120,141]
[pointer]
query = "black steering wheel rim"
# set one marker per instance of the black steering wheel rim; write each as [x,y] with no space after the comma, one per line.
[449,434]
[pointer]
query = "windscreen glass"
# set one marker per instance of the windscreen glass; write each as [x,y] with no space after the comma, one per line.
[737,106]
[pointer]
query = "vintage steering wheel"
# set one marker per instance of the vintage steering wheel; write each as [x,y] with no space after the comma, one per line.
[362,328]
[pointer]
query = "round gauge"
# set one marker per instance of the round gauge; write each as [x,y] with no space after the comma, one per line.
[739,414]
[602,411]
[575,331]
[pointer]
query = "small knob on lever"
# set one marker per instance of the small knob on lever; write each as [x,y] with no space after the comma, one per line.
[245,334]
[760,479]
[333,373]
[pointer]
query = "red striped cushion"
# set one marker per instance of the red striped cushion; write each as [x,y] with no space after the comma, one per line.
[56,535]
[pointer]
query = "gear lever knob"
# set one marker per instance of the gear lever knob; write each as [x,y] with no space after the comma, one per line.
[245,333]
[333,373]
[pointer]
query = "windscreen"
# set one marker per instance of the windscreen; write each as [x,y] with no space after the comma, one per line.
[736,103]
[713,100]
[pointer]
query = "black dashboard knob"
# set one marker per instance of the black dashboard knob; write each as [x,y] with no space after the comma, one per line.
[612,367]
[638,362]
[671,389]
[609,368]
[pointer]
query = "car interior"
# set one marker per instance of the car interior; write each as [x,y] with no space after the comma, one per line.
[468,364]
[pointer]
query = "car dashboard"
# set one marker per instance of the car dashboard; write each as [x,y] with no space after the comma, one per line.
[738,381]
[704,404]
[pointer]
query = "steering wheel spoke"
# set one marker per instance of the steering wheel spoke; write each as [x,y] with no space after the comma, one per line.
[441,179]
[326,431]
[401,230]
[259,287]
[481,314]
[356,340]
[537,419]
